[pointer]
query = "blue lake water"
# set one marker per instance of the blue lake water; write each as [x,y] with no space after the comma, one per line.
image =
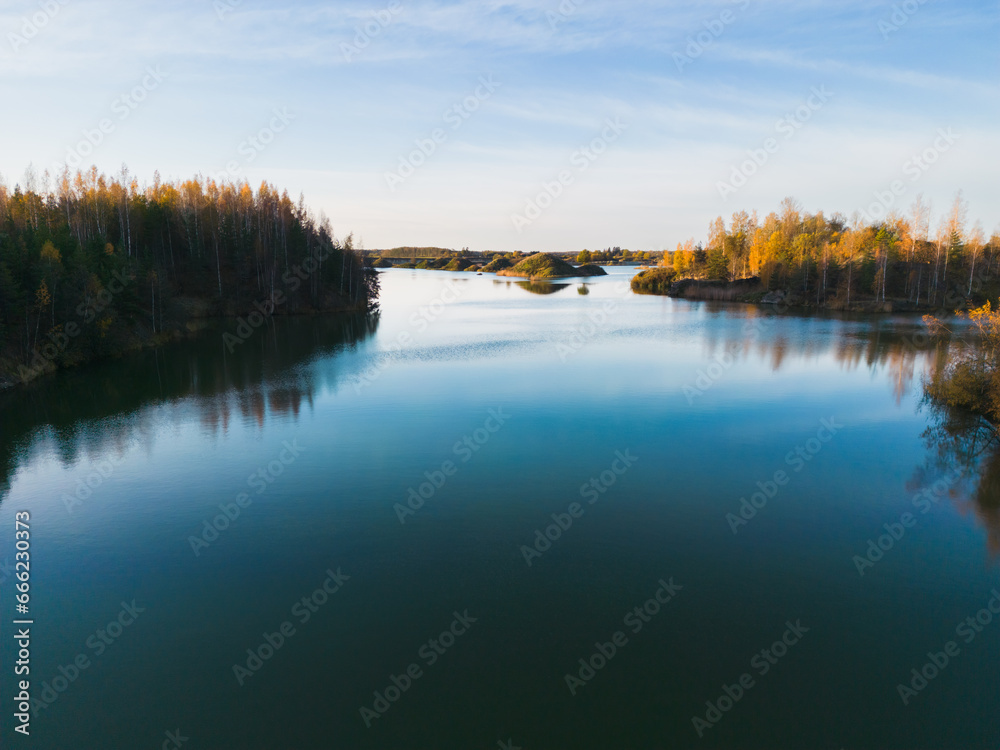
[419,525]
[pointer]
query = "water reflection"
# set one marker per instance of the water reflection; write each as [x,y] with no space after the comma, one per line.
[542,287]
[104,408]
[965,445]
[900,347]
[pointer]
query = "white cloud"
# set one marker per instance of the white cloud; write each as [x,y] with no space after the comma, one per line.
[657,185]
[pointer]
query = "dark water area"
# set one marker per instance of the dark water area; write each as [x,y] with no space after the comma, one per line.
[555,516]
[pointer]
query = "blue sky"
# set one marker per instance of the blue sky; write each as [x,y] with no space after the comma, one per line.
[357,102]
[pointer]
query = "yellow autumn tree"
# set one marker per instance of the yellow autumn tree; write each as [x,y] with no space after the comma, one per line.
[50,254]
[42,297]
[971,378]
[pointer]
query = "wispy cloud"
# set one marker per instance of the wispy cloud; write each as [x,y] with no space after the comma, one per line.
[561,79]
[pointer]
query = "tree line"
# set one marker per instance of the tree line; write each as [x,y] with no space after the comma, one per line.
[896,257]
[613,255]
[92,264]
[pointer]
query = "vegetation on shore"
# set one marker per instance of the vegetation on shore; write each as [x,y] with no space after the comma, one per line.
[539,265]
[654,281]
[92,265]
[616,255]
[590,269]
[893,262]
[437,258]
[970,377]
[963,394]
[416,252]
[499,263]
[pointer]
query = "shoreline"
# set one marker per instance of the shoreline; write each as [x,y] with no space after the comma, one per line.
[749,291]
[10,380]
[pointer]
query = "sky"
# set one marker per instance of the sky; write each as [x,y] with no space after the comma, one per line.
[532,125]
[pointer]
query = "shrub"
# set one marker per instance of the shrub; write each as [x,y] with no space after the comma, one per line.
[654,281]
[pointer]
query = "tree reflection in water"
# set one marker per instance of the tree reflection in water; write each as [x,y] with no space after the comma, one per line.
[104,408]
[959,441]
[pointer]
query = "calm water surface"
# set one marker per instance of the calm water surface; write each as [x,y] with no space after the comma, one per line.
[504,404]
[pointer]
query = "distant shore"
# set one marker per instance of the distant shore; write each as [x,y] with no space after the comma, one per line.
[753,291]
[540,266]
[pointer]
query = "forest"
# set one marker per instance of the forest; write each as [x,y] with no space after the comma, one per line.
[613,255]
[92,265]
[836,261]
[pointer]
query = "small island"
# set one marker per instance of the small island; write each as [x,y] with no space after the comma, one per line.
[588,263]
[546,266]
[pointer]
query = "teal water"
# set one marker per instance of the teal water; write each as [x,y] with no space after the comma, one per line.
[639,423]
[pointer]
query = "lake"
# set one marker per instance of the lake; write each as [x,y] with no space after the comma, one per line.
[504,514]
